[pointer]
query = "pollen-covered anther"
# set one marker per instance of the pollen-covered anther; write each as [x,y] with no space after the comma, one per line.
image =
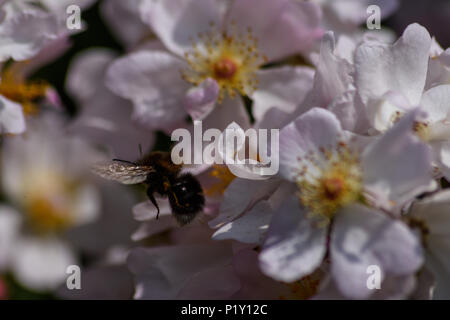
[329,179]
[422,130]
[230,58]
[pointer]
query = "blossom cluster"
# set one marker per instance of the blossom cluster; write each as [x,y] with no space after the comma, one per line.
[364,152]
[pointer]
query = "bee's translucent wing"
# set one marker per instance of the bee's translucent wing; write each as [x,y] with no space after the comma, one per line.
[122,172]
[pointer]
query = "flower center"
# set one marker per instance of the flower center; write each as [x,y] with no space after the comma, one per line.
[225,69]
[14,87]
[330,180]
[50,207]
[231,59]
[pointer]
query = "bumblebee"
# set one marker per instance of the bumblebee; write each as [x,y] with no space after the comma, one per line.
[161,176]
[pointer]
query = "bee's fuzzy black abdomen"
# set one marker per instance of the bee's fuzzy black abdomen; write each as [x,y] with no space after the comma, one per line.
[186,198]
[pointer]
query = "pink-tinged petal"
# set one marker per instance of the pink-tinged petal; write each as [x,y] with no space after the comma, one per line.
[363,237]
[154,227]
[177,22]
[240,196]
[383,112]
[274,118]
[12,119]
[315,129]
[104,117]
[200,101]
[145,211]
[294,247]
[23,34]
[152,80]
[401,67]
[332,78]
[283,27]
[49,53]
[106,120]
[227,112]
[123,17]
[87,72]
[397,166]
[284,88]
[350,111]
[250,228]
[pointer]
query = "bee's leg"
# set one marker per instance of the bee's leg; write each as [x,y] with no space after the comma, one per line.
[153,200]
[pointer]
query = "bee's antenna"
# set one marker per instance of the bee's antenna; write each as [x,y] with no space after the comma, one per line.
[140,150]
[125,161]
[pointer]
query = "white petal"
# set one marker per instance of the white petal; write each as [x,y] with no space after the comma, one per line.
[146,210]
[251,228]
[332,78]
[401,67]
[294,247]
[152,80]
[284,88]
[87,71]
[363,237]
[176,22]
[41,264]
[397,166]
[24,33]
[11,117]
[224,114]
[240,196]
[312,130]
[283,27]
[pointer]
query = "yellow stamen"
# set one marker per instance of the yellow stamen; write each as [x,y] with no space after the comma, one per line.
[232,59]
[46,216]
[50,204]
[332,181]
[16,88]
[223,176]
